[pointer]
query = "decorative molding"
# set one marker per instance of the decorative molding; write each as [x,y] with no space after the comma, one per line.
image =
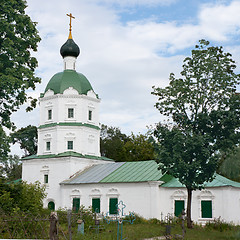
[70,134]
[48,104]
[205,194]
[54,96]
[69,124]
[70,90]
[95,192]
[179,194]
[113,192]
[48,135]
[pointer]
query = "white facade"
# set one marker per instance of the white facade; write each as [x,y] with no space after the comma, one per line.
[57,169]
[58,127]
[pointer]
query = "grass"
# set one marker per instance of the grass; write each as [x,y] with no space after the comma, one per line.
[138,231]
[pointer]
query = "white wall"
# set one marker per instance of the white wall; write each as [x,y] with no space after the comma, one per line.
[58,170]
[86,139]
[225,202]
[140,198]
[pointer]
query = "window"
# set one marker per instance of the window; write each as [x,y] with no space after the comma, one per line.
[113,205]
[90,115]
[70,113]
[49,114]
[179,206]
[96,205]
[206,208]
[48,146]
[70,145]
[76,204]
[51,206]
[45,178]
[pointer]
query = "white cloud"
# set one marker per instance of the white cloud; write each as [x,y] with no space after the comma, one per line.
[128,3]
[123,61]
[221,20]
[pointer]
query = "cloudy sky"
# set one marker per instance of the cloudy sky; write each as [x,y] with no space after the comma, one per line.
[127,46]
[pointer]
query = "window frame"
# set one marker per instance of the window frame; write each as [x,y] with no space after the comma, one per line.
[112,205]
[49,114]
[175,212]
[70,113]
[90,115]
[76,203]
[97,201]
[205,214]
[45,178]
[48,146]
[69,143]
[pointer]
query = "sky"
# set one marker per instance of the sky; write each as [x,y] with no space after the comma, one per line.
[128,46]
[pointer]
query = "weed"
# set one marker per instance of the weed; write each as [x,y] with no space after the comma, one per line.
[219,225]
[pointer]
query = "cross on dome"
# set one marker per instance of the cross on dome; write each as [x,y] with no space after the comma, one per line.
[70,25]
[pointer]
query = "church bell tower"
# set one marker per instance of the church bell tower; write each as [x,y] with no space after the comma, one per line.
[69,110]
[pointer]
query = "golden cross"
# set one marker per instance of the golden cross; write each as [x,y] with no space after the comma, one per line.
[70,24]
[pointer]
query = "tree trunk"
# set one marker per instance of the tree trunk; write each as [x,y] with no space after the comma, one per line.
[189,204]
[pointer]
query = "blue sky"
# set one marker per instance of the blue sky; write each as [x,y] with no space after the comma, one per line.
[127,46]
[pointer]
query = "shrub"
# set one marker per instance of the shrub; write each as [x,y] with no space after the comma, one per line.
[219,225]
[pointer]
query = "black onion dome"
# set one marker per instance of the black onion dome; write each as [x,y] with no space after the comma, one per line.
[69,48]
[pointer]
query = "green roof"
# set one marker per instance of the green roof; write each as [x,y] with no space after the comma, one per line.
[66,154]
[118,172]
[141,171]
[69,78]
[15,181]
[218,181]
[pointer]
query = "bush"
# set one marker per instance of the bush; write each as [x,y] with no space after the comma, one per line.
[21,197]
[85,214]
[219,225]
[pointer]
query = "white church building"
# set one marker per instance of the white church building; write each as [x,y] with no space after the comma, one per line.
[68,162]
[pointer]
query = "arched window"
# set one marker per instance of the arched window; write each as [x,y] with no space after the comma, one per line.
[51,206]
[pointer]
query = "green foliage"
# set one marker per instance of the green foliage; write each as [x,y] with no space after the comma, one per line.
[204,108]
[138,148]
[230,166]
[84,213]
[120,147]
[11,168]
[18,38]
[219,225]
[21,197]
[185,156]
[112,141]
[27,138]
[4,145]
[205,112]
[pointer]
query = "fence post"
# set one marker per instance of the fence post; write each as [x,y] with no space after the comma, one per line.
[69,213]
[53,226]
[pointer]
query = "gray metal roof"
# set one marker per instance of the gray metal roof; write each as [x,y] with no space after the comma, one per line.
[94,174]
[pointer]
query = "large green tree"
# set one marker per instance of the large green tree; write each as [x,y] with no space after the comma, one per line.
[122,148]
[230,166]
[205,112]
[4,145]
[18,38]
[138,148]
[27,138]
[112,141]
[11,168]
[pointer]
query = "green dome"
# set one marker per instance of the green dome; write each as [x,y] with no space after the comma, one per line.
[69,78]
